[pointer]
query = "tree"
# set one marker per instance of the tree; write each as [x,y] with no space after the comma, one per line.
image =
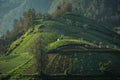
[62,9]
[46,16]
[38,49]
[29,16]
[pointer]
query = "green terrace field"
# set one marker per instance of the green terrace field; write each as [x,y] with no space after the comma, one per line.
[18,58]
[11,63]
[81,63]
[85,63]
[77,26]
[57,44]
[23,43]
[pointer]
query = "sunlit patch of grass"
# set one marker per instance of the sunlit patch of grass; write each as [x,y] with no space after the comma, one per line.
[64,42]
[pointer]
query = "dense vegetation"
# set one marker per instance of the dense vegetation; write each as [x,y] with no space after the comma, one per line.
[29,47]
[20,26]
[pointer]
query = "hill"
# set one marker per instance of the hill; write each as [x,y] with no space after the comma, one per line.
[69,28]
[77,26]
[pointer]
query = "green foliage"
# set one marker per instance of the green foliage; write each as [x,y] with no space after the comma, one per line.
[104,66]
[29,16]
[83,63]
[117,30]
[38,49]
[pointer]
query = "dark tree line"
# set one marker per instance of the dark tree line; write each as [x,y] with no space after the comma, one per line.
[19,27]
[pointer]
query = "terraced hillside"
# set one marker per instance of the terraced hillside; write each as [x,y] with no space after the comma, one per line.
[87,63]
[69,29]
[83,59]
[78,29]
[77,26]
[18,58]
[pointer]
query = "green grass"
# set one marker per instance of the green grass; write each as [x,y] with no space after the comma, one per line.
[21,69]
[63,42]
[24,46]
[19,59]
[11,62]
[19,56]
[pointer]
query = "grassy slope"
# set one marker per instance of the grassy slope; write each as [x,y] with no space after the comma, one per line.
[77,26]
[19,56]
[9,63]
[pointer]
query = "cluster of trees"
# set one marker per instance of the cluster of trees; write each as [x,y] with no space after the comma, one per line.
[67,6]
[25,22]
[38,50]
[19,27]
[3,45]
